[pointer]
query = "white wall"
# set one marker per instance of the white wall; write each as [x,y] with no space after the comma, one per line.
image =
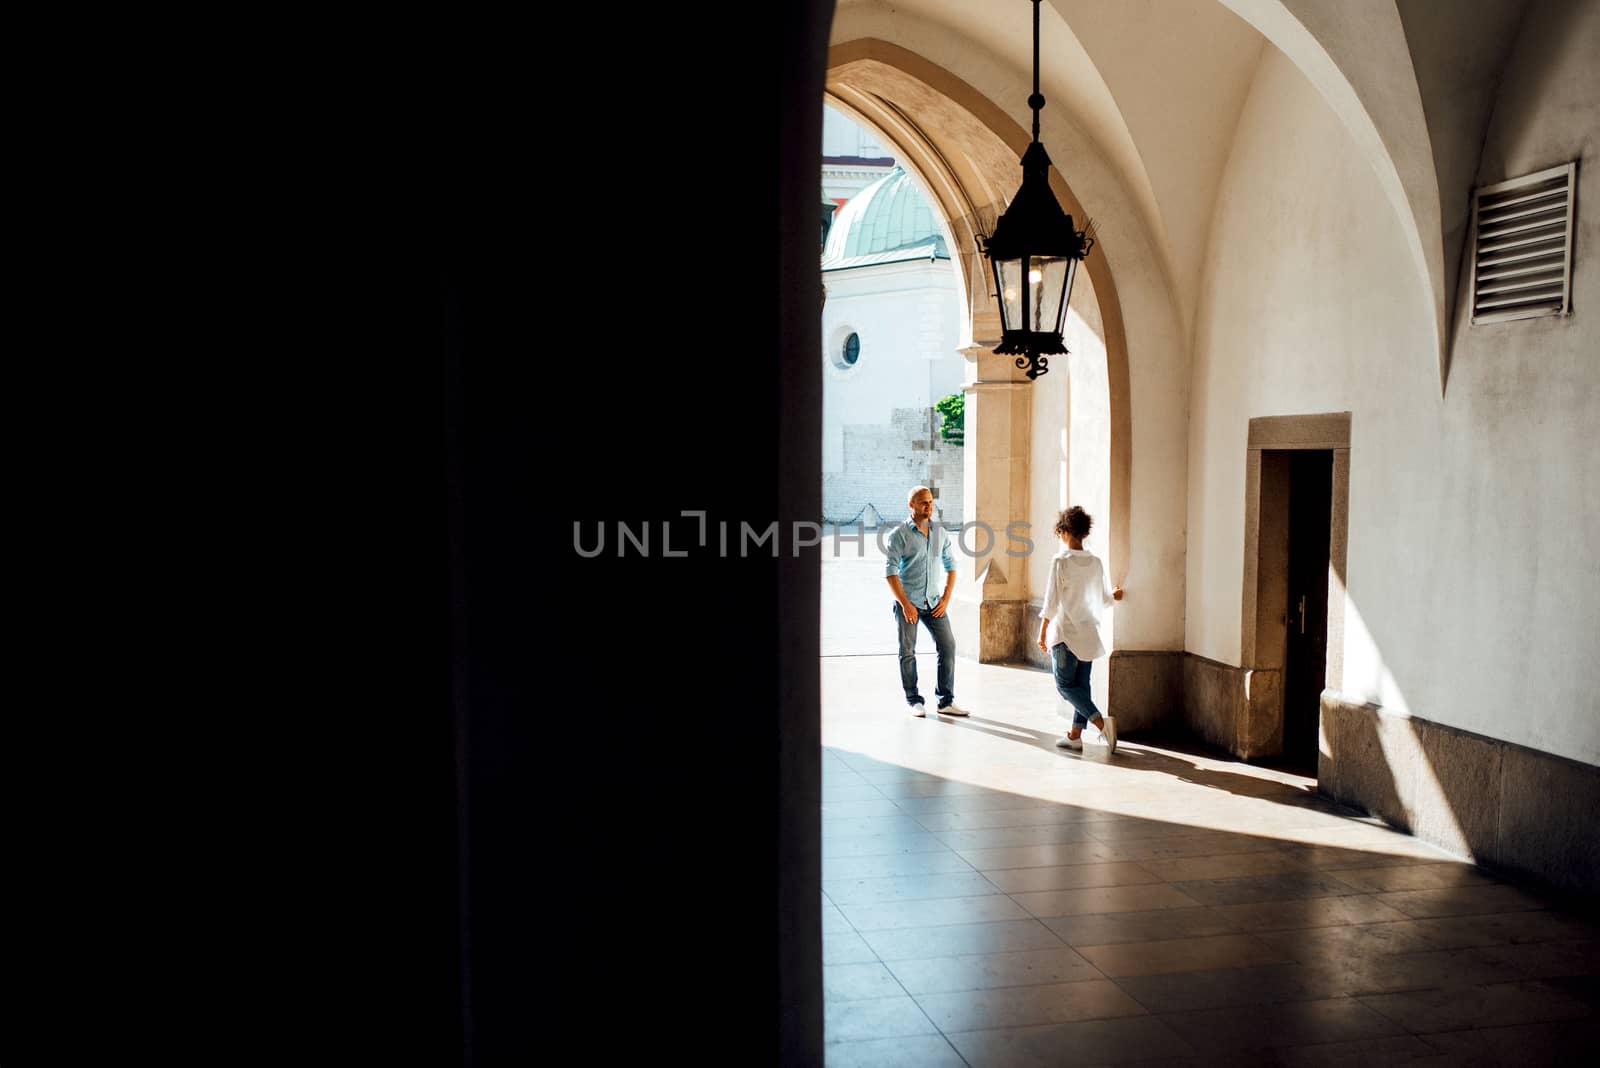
[1473,591]
[1523,406]
[906,316]
[841,136]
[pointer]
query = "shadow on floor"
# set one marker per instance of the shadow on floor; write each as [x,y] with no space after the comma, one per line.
[1135,752]
[965,925]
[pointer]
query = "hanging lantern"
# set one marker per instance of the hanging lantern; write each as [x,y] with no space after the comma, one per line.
[1034,253]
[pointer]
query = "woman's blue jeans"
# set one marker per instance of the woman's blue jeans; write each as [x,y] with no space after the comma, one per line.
[1072,683]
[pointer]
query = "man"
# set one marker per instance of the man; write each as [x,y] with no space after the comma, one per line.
[916,547]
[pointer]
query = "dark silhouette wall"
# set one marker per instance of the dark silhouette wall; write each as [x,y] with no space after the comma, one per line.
[638,733]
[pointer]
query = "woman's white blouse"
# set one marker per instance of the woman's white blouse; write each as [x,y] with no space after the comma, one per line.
[1075,600]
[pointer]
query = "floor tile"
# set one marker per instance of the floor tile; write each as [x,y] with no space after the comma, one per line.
[1110,928]
[1004,837]
[885,865]
[1557,1044]
[868,826]
[1549,960]
[915,1051]
[1338,858]
[845,947]
[1461,901]
[1348,941]
[882,889]
[1134,829]
[1294,1023]
[833,919]
[971,813]
[833,777]
[1498,1005]
[1050,855]
[850,792]
[1101,899]
[1443,970]
[1117,1041]
[1507,927]
[881,845]
[854,761]
[1584,987]
[1414,877]
[1372,837]
[891,1017]
[960,939]
[1185,845]
[1286,886]
[1225,866]
[884,775]
[1180,955]
[1308,912]
[983,971]
[945,788]
[1394,1050]
[933,912]
[852,982]
[858,809]
[1070,877]
[1053,815]
[1218,988]
[974,1010]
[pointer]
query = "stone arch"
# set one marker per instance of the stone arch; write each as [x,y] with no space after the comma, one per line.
[965,150]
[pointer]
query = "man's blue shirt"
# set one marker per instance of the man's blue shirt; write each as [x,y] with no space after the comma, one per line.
[909,552]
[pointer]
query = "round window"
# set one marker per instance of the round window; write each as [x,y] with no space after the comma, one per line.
[842,347]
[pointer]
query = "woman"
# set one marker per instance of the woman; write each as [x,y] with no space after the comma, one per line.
[1075,598]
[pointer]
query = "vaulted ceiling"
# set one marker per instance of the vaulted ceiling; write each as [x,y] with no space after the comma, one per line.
[1146,95]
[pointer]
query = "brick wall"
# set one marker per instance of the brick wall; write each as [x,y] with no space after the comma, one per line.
[883,461]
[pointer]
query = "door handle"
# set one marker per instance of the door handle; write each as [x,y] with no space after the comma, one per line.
[1302,613]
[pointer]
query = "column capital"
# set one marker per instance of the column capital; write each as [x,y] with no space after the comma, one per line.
[986,365]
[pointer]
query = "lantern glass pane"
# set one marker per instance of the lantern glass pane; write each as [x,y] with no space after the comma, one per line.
[1048,295]
[1008,276]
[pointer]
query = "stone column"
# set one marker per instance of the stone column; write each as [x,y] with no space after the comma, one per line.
[991,598]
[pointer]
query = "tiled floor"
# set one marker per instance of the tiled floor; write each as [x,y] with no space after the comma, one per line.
[989,900]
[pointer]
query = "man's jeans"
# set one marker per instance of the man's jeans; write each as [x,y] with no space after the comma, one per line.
[944,640]
[1072,683]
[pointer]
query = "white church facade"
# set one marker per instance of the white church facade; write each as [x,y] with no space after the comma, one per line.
[890,333]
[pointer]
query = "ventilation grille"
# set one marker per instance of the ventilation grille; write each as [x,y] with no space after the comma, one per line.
[1522,249]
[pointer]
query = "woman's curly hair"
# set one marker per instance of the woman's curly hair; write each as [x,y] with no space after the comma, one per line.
[1074,521]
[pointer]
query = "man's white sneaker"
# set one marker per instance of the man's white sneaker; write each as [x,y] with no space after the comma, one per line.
[1066,742]
[918,710]
[1109,733]
[952,709]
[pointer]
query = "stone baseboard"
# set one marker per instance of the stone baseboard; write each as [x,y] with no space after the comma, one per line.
[1497,803]
[1145,688]
[999,632]
[1233,708]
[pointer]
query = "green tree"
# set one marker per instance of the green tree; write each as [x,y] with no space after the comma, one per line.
[953,409]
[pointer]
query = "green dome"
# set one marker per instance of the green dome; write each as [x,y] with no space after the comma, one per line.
[886,222]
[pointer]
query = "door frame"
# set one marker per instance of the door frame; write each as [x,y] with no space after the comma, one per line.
[1331,431]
